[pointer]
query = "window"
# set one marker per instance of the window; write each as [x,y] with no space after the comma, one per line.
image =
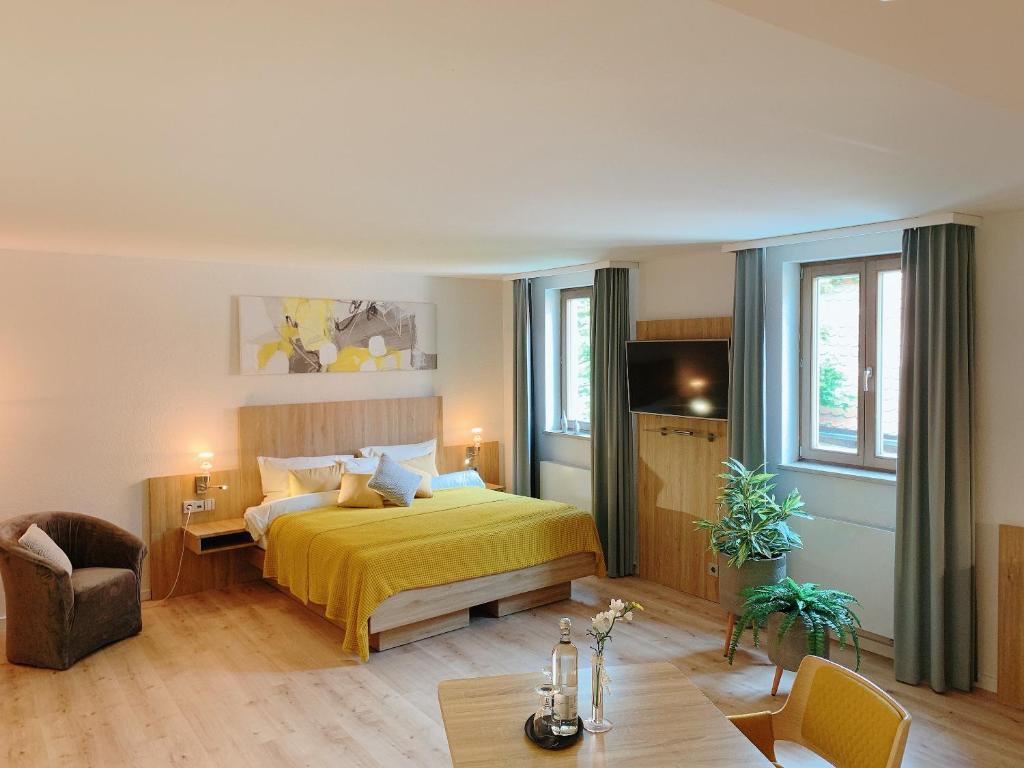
[575,359]
[850,361]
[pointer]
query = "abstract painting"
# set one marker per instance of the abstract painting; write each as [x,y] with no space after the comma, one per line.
[293,335]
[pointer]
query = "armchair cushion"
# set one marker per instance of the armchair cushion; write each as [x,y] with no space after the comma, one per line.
[36,540]
[107,607]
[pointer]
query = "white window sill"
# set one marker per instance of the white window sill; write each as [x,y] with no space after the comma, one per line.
[556,433]
[832,470]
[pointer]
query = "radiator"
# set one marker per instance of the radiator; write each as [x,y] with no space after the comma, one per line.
[855,558]
[566,483]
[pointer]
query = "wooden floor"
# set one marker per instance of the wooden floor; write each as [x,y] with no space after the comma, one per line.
[245,676]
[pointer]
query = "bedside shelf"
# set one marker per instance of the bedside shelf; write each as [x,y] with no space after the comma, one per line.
[218,536]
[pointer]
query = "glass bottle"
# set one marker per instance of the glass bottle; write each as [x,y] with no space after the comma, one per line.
[564,667]
[564,424]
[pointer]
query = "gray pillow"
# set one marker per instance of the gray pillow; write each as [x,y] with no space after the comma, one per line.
[394,482]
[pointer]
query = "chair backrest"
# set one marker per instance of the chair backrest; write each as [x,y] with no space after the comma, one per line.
[843,717]
[65,528]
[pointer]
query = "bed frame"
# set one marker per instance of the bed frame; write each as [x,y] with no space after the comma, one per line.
[317,429]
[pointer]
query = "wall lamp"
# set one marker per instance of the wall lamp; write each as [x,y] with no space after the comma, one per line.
[473,451]
[205,459]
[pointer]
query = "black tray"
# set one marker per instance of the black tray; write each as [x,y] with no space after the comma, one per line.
[550,741]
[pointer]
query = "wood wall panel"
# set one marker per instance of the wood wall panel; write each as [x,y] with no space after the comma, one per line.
[320,429]
[677,479]
[452,458]
[1010,679]
[686,328]
[198,573]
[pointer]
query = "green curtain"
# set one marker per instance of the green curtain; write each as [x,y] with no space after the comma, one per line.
[935,593]
[614,471]
[746,366]
[524,473]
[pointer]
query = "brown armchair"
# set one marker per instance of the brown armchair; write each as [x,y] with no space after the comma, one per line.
[54,619]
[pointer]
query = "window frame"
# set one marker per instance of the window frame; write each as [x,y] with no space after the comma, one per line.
[565,295]
[868,268]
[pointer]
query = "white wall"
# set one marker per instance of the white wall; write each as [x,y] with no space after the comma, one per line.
[115,370]
[686,284]
[999,367]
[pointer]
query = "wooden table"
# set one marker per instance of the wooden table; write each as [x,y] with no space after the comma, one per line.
[660,718]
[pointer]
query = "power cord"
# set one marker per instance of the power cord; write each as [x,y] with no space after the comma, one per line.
[181,559]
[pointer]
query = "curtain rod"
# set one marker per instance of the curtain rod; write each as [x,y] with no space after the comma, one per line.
[931,220]
[570,270]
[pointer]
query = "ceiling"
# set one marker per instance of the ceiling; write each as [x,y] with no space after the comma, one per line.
[484,137]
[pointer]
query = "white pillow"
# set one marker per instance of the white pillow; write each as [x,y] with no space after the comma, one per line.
[274,472]
[403,452]
[35,540]
[362,465]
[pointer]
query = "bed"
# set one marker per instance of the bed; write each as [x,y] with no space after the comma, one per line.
[396,575]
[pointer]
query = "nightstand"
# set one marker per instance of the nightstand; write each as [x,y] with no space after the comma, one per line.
[218,536]
[495,487]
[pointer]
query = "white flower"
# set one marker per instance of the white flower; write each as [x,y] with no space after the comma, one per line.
[602,623]
[628,616]
[617,607]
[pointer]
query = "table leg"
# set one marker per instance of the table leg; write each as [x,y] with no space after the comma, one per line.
[775,682]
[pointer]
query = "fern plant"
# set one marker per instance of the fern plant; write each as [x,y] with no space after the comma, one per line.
[751,524]
[818,611]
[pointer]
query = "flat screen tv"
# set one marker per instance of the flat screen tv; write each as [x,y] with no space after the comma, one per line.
[679,378]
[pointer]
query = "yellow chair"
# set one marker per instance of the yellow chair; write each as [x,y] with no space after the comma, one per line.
[837,714]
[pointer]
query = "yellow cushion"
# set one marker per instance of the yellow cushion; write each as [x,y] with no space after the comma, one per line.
[425,489]
[848,723]
[314,480]
[426,464]
[355,493]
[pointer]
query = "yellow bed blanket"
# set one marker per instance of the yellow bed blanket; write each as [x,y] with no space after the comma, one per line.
[351,560]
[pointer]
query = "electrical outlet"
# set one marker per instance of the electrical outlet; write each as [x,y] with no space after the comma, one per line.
[713,569]
[198,505]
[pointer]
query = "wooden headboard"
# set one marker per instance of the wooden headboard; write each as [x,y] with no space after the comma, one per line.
[320,429]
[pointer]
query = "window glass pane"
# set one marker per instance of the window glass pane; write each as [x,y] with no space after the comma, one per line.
[836,363]
[887,386]
[577,361]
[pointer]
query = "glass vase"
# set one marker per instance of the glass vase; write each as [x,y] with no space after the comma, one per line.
[597,723]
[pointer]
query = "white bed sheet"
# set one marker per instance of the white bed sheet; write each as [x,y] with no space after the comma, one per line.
[259,518]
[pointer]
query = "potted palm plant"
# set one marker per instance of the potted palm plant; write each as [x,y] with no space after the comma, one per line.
[799,620]
[750,535]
